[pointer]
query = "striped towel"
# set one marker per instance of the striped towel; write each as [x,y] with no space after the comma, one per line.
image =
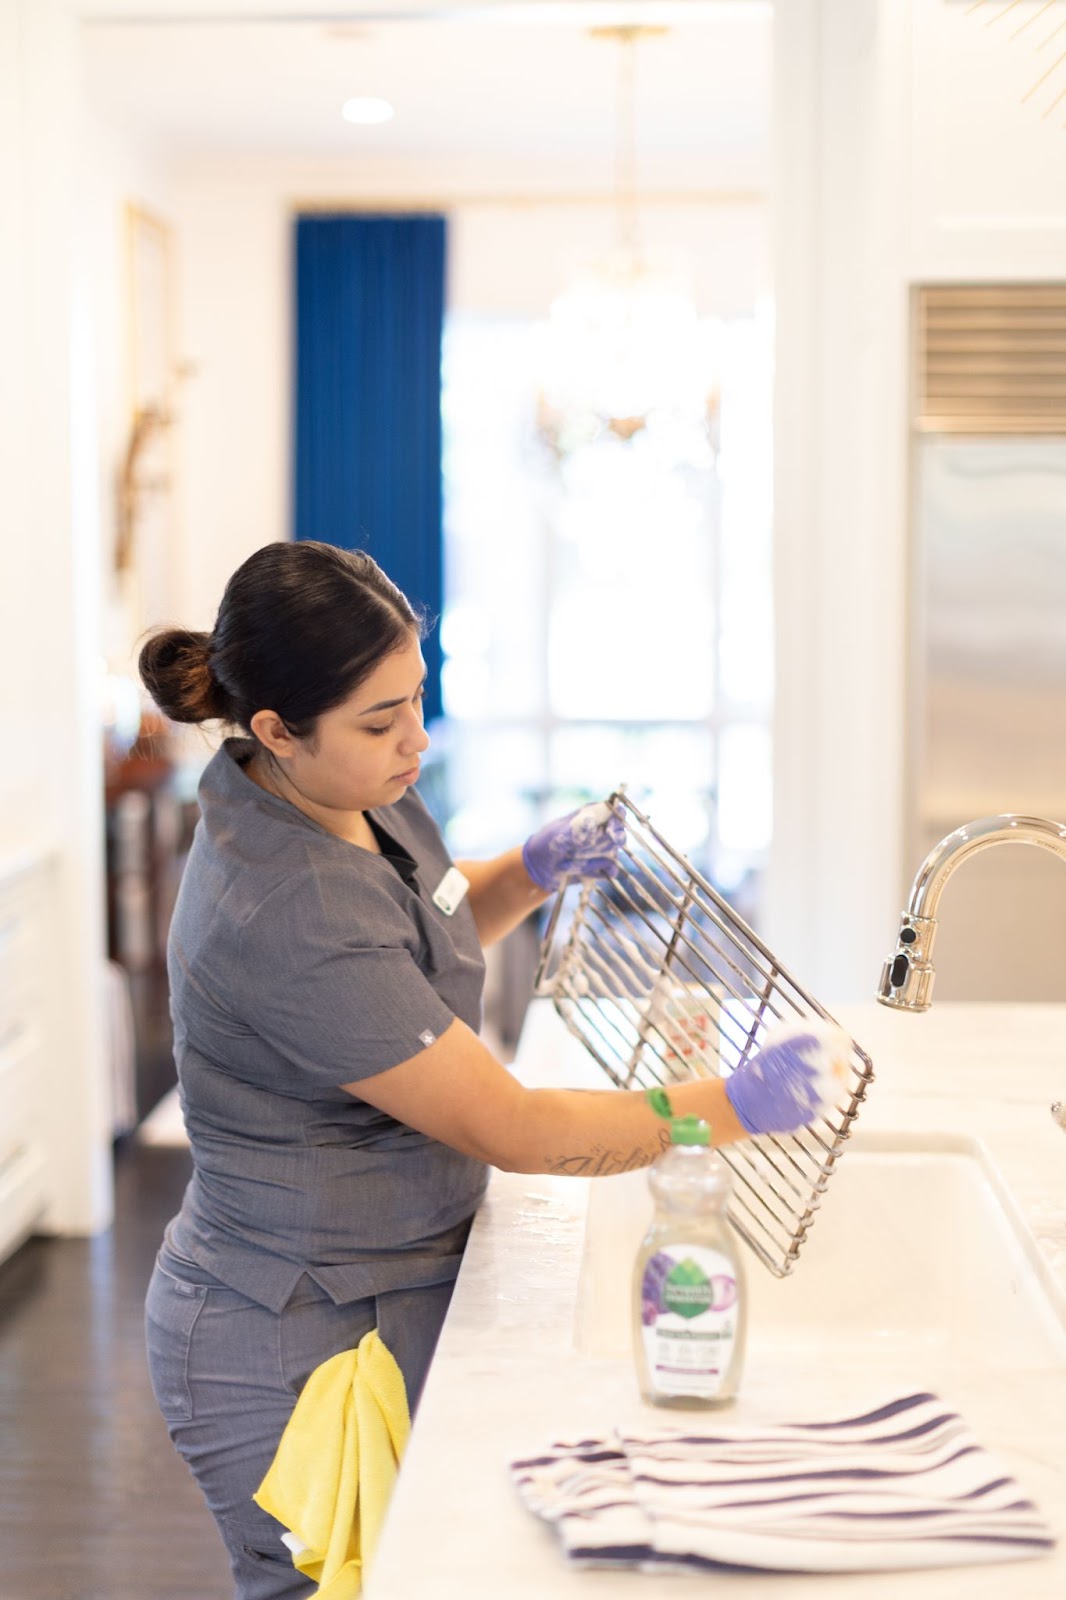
[906,1485]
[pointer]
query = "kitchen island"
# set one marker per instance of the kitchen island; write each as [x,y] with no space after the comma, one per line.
[514,1371]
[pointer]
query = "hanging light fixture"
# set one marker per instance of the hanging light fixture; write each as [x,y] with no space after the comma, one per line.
[623,343]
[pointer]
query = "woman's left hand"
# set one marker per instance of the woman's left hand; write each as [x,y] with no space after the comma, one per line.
[583,844]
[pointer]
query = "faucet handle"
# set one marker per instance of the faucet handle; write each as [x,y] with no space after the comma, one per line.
[1058,1111]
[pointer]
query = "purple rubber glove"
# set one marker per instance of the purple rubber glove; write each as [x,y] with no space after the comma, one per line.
[583,844]
[798,1075]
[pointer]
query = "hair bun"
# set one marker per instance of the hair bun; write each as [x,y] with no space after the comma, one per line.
[175,668]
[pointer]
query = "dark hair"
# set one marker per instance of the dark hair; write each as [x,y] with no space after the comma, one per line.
[299,628]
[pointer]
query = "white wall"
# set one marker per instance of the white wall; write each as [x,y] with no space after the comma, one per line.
[988,147]
[839,491]
[50,777]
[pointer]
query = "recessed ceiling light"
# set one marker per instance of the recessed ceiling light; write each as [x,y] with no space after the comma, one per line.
[365,109]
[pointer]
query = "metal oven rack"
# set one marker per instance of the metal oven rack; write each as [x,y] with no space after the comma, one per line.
[661,981]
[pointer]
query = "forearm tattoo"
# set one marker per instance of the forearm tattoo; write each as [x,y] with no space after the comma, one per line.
[600,1162]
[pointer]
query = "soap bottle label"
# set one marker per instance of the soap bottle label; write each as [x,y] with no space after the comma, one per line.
[688,1319]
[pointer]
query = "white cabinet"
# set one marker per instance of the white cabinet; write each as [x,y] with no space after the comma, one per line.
[22,1055]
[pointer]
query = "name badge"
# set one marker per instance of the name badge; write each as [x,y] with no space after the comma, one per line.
[450,891]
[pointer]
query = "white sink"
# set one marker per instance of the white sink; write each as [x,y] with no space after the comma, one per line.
[911,1261]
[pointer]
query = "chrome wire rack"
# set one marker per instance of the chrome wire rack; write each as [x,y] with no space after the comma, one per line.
[661,981]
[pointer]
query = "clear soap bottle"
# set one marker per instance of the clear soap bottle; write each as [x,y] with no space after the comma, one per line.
[689,1300]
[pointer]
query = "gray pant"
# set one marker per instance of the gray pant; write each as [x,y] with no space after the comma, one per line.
[227,1372]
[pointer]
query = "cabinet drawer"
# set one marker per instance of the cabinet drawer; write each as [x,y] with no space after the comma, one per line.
[22,1199]
[20,1068]
[21,957]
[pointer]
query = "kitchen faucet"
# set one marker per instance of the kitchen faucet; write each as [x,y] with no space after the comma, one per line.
[907,975]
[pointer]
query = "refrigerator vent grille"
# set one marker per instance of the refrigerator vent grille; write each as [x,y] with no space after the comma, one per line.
[991,359]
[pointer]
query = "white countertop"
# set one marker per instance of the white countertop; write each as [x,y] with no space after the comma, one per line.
[507,1378]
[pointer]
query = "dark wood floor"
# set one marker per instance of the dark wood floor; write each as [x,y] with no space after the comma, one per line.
[94,1503]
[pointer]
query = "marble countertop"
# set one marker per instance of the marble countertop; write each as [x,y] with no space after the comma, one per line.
[507,1377]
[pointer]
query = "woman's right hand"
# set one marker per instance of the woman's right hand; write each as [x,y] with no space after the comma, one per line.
[796,1076]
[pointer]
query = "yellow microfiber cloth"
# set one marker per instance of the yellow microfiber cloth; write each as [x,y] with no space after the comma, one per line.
[334,1468]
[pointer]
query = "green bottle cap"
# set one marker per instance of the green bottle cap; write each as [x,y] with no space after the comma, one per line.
[689,1130]
[683,1130]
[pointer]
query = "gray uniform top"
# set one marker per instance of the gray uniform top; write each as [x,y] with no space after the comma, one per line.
[299,962]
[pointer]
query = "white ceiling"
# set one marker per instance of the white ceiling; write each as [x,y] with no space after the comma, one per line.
[528,85]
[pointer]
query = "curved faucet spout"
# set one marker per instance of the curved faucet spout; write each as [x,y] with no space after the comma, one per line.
[948,856]
[907,975]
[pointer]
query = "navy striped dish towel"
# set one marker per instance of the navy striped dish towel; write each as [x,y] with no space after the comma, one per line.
[906,1485]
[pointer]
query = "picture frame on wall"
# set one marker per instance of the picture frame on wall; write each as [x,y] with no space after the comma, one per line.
[142,543]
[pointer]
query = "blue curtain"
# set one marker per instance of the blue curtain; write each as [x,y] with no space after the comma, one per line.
[369,315]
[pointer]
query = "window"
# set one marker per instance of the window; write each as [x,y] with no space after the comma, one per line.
[608,614]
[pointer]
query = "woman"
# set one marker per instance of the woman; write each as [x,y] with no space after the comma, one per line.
[325,963]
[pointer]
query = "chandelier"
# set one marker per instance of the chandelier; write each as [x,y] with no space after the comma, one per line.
[623,349]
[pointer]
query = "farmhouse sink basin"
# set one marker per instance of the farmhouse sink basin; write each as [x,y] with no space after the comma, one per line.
[913,1263]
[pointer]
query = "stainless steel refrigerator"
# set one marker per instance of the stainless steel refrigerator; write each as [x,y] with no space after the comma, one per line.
[987,729]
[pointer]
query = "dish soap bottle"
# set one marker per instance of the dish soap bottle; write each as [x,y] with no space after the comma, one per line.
[689,1301]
